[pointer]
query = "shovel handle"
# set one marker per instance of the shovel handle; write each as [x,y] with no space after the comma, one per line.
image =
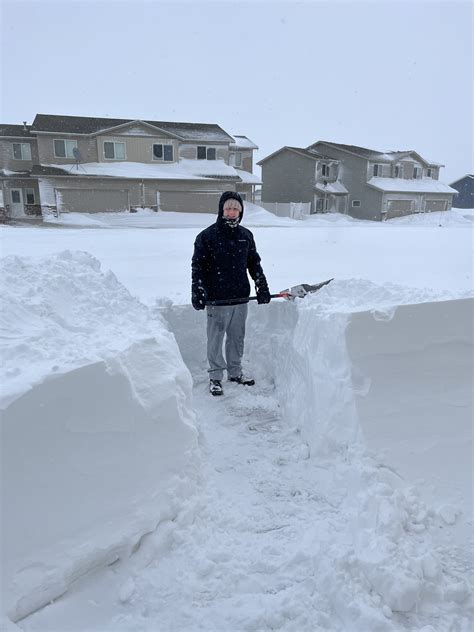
[236,301]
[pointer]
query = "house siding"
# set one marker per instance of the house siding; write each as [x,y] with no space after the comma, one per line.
[288,177]
[137,148]
[353,172]
[465,197]
[87,148]
[7,161]
[189,150]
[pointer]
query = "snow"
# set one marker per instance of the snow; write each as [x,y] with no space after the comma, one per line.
[185,168]
[242,142]
[312,501]
[420,185]
[248,178]
[331,187]
[96,407]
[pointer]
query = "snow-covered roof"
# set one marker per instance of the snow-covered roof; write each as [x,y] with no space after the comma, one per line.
[93,125]
[422,185]
[332,187]
[5,173]
[248,178]
[185,169]
[308,153]
[242,142]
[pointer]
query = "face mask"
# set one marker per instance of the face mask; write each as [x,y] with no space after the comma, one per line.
[232,223]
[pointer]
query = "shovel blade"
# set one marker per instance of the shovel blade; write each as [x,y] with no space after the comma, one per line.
[300,291]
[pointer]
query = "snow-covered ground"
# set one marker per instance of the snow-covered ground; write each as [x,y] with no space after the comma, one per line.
[334,495]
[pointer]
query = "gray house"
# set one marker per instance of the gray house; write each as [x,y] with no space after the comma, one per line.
[357,181]
[83,164]
[464,197]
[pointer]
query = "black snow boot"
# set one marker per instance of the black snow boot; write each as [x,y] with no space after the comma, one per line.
[215,387]
[242,379]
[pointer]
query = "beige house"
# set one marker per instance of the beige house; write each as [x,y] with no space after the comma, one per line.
[82,164]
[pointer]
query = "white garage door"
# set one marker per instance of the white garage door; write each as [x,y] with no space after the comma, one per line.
[91,200]
[190,201]
[435,205]
[400,205]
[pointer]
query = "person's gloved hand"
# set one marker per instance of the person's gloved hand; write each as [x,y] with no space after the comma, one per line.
[263,296]
[199,298]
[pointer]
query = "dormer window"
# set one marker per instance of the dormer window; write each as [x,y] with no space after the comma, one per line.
[22,151]
[114,150]
[325,170]
[236,159]
[429,172]
[64,148]
[398,171]
[416,172]
[206,153]
[378,170]
[163,152]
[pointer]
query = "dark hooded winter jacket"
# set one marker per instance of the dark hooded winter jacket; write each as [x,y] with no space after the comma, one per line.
[222,256]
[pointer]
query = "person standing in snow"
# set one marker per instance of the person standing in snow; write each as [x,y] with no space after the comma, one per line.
[223,253]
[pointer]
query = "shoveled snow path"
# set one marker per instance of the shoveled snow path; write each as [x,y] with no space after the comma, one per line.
[245,563]
[268,545]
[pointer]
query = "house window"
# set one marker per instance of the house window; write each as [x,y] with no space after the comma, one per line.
[22,151]
[64,148]
[398,171]
[320,204]
[355,202]
[206,153]
[429,173]
[113,150]
[325,170]
[236,159]
[163,152]
[30,196]
[16,196]
[378,170]
[416,172]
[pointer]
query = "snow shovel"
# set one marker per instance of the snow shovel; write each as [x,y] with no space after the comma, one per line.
[297,291]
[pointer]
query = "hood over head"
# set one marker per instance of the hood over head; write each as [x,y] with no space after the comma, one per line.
[230,195]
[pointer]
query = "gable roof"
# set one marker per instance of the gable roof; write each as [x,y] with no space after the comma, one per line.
[468,175]
[364,152]
[307,153]
[88,125]
[373,154]
[14,131]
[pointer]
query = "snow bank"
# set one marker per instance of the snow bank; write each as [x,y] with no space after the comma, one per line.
[323,353]
[98,434]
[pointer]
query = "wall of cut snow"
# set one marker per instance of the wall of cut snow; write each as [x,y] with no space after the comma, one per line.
[99,443]
[329,356]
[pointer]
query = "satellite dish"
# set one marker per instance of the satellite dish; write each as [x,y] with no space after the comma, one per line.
[77,154]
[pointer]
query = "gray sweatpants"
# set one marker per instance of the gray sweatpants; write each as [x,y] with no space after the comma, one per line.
[229,320]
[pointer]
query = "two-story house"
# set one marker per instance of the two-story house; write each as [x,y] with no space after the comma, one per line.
[357,181]
[84,164]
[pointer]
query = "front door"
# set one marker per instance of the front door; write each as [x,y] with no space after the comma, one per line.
[17,206]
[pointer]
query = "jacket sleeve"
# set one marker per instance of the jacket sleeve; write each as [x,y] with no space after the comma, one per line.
[255,269]
[199,266]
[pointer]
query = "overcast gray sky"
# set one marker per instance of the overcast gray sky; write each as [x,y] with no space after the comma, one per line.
[385,75]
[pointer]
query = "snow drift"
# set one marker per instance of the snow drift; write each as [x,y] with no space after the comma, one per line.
[98,438]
